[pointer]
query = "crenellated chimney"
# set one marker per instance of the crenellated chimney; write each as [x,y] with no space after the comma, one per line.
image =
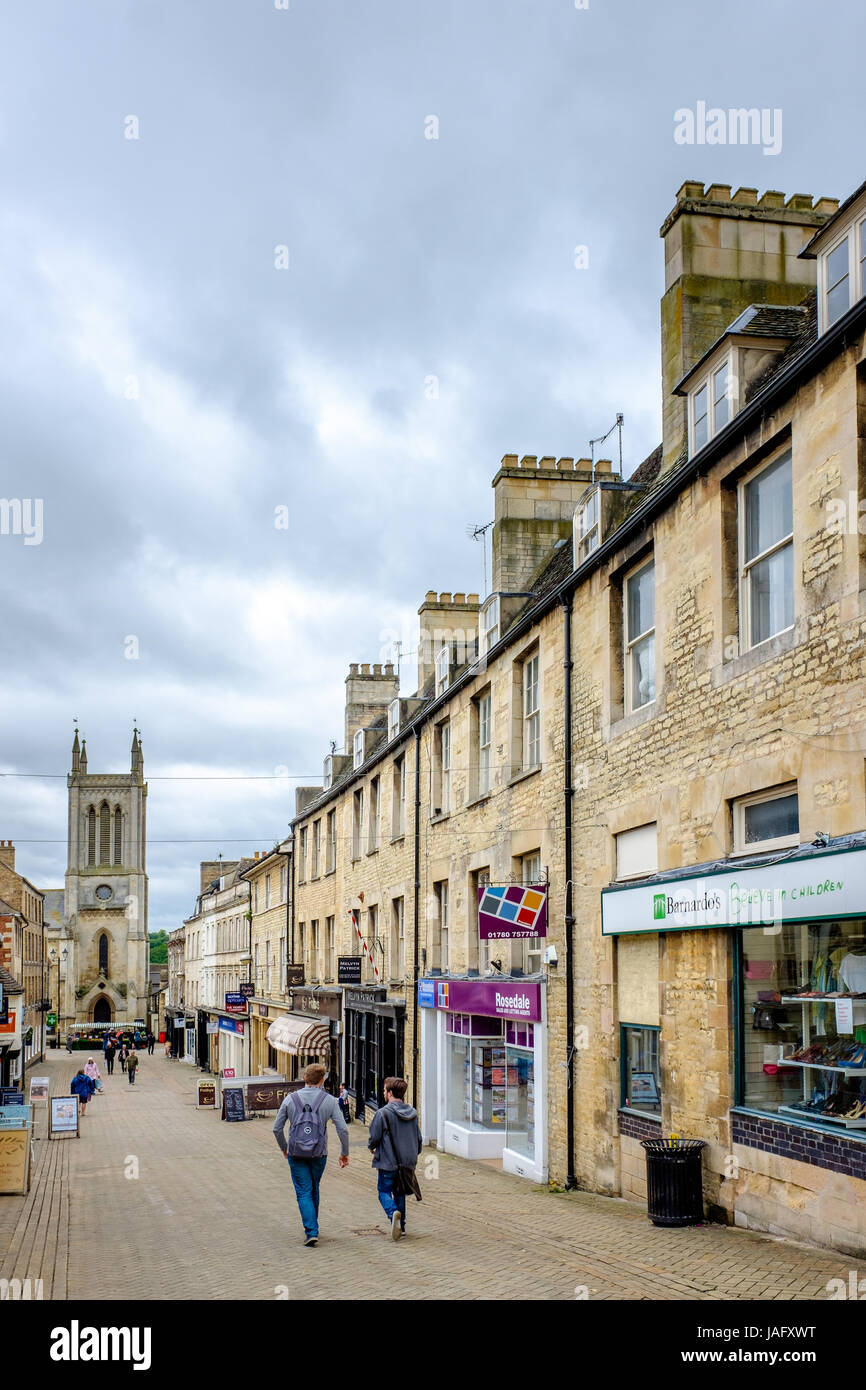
[723,253]
[450,620]
[7,854]
[369,691]
[534,506]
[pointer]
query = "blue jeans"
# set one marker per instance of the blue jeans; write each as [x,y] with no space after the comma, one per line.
[391,1201]
[306,1175]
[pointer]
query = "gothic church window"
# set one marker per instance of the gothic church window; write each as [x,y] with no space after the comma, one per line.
[118,836]
[91,836]
[104,834]
[103,954]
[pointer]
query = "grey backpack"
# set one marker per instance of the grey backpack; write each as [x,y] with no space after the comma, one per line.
[307,1138]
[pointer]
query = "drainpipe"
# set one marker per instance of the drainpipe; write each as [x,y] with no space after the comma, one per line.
[568,791]
[417,914]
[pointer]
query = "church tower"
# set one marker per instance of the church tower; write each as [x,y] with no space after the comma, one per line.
[105,906]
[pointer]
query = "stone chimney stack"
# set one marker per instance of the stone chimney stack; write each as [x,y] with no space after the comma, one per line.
[534,506]
[369,692]
[446,620]
[7,854]
[723,253]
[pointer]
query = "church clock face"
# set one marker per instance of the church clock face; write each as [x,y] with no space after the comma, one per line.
[103,892]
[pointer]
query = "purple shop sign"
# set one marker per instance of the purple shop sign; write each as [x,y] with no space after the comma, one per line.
[494,998]
[507,911]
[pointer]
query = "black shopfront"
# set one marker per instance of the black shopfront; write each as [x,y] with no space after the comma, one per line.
[374,1027]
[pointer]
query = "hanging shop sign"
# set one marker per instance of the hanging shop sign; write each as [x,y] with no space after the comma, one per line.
[231,1025]
[246,988]
[213,1025]
[818,886]
[52,1020]
[348,970]
[494,999]
[236,1003]
[294,975]
[508,911]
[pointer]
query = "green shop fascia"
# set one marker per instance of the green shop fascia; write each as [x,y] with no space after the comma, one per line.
[799,923]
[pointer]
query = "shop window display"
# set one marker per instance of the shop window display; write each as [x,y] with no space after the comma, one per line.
[804,1013]
[491,1078]
[639,1065]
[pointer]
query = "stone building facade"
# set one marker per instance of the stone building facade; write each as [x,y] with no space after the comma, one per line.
[23,955]
[268,877]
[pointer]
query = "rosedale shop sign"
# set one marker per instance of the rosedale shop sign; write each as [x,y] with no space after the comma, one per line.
[825,885]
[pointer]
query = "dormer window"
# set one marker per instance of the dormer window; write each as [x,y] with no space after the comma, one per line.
[710,405]
[587,531]
[329,772]
[358,749]
[443,659]
[842,274]
[393,719]
[488,625]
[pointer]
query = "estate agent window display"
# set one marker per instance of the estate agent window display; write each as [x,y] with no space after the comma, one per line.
[804,1022]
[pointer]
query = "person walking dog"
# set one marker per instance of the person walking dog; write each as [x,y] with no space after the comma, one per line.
[307,1113]
[395,1142]
[132,1066]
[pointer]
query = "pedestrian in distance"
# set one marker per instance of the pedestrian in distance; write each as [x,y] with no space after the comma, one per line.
[69,1040]
[132,1067]
[168,1047]
[395,1142]
[110,1054]
[343,1102]
[307,1113]
[151,1040]
[82,1087]
[91,1070]
[124,1056]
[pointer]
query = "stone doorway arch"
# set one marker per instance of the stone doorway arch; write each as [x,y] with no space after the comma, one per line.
[102,1010]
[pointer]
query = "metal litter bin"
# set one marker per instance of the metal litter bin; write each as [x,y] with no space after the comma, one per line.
[673,1181]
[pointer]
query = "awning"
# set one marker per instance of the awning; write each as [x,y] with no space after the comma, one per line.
[300,1036]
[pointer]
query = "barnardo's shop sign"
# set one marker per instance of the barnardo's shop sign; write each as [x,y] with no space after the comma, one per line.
[830,885]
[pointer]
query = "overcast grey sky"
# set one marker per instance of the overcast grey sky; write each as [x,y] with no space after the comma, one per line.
[164,386]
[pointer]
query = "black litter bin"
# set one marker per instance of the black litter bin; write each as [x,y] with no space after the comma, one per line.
[673,1181]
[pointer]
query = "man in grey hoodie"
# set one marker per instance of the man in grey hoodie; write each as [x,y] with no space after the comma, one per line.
[307,1170]
[395,1141]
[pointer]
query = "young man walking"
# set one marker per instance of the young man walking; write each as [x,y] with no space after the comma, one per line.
[395,1141]
[132,1066]
[307,1113]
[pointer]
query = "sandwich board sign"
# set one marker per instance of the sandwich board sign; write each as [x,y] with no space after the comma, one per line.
[39,1087]
[63,1116]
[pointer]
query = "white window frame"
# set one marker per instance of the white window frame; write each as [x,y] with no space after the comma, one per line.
[651,861]
[485,740]
[398,908]
[744,568]
[373,815]
[488,625]
[445,768]
[398,799]
[533,949]
[316,849]
[328,772]
[267,891]
[530,696]
[755,799]
[587,526]
[630,642]
[850,236]
[331,845]
[393,719]
[707,383]
[444,922]
[443,667]
[357,822]
[358,748]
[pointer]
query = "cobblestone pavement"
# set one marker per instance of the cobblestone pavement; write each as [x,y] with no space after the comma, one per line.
[212,1215]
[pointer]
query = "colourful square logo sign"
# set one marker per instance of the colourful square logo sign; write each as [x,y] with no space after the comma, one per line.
[507,911]
[442,994]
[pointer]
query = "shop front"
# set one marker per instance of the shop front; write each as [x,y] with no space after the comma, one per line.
[231,1046]
[793,1116]
[10,1030]
[375,1027]
[291,1038]
[483,1070]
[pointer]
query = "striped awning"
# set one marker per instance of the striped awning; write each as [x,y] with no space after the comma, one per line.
[303,1037]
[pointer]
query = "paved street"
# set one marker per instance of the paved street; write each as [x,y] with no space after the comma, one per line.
[211,1215]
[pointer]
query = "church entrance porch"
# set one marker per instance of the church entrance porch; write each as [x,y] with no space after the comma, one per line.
[102,1011]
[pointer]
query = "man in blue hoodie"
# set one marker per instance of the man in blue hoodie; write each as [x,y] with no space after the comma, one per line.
[395,1141]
